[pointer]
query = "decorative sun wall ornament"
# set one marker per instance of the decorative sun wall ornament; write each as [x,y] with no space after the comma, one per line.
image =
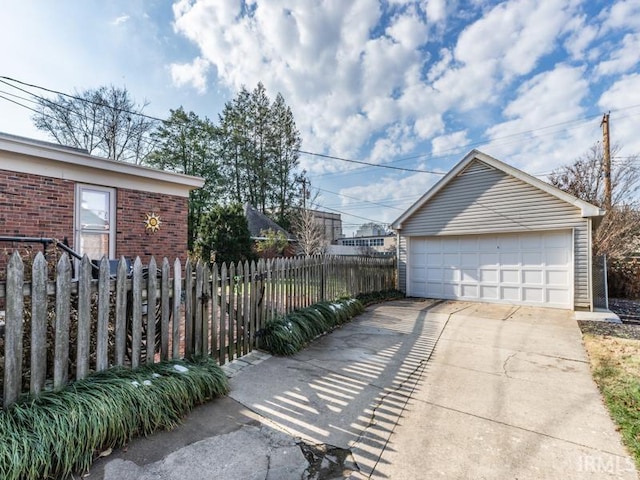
[152,222]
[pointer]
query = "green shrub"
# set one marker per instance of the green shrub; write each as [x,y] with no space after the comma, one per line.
[57,433]
[288,334]
[381,296]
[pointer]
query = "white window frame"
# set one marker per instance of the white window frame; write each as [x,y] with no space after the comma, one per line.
[80,187]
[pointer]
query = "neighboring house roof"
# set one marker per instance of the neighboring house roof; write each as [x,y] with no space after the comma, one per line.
[587,209]
[258,223]
[25,155]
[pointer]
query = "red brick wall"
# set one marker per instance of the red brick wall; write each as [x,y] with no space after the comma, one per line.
[37,206]
[132,238]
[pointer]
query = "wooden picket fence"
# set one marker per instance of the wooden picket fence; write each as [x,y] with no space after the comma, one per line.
[101,319]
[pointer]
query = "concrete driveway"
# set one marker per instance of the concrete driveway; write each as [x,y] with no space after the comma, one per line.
[409,390]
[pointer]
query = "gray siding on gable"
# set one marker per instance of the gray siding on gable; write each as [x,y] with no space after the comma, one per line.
[482,199]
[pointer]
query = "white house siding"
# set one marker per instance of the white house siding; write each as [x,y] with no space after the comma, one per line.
[482,199]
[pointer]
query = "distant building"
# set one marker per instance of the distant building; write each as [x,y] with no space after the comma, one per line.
[332,223]
[371,230]
[380,244]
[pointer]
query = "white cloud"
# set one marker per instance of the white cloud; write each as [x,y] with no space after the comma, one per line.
[581,36]
[436,10]
[551,98]
[194,74]
[623,14]
[624,95]
[622,57]
[120,20]
[452,142]
[409,30]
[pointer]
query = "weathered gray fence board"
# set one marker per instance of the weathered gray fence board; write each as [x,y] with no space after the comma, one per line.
[61,348]
[136,318]
[84,319]
[121,312]
[13,330]
[224,307]
[39,301]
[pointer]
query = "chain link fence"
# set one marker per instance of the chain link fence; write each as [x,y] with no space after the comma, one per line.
[599,271]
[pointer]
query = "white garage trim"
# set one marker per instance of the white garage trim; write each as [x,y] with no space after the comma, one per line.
[532,268]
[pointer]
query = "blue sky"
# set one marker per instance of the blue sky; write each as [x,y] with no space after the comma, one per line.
[411,84]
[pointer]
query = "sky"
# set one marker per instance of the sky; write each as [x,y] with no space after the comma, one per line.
[412,85]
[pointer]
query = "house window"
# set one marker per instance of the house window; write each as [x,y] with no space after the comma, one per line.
[95,221]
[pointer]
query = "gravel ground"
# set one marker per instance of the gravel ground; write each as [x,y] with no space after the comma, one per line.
[626,310]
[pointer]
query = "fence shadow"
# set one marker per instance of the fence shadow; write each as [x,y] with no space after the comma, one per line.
[350,388]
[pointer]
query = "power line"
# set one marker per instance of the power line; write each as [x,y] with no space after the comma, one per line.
[355,198]
[379,165]
[352,215]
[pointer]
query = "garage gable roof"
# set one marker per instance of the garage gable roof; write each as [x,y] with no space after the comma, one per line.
[587,209]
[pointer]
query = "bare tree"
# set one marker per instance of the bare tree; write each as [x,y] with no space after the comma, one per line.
[310,233]
[619,232]
[104,121]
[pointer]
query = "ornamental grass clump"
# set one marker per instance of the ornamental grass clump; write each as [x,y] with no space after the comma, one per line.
[288,334]
[58,433]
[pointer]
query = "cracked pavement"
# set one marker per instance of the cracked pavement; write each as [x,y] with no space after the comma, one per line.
[411,389]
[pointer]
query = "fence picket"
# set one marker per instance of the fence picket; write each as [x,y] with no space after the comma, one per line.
[121,312]
[39,275]
[224,308]
[13,330]
[84,318]
[165,307]
[215,309]
[223,314]
[61,343]
[177,299]
[188,309]
[102,333]
[136,319]
[197,322]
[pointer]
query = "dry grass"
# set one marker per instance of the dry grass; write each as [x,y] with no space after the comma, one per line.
[615,364]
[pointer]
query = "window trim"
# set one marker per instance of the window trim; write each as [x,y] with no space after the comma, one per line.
[80,187]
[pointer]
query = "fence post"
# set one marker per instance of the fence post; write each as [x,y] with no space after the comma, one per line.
[13,330]
[197,323]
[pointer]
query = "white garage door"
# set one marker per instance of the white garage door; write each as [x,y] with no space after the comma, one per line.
[524,268]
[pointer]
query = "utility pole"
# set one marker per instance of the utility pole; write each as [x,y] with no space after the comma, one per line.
[606,161]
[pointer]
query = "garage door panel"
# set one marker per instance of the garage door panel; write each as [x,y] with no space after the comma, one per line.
[451,259]
[557,277]
[469,291]
[509,275]
[532,277]
[535,295]
[531,268]
[434,274]
[532,258]
[451,275]
[489,292]
[489,275]
[489,259]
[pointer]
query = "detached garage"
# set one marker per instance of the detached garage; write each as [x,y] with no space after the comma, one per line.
[490,232]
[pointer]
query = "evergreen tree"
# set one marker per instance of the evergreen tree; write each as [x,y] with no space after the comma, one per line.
[186,144]
[224,235]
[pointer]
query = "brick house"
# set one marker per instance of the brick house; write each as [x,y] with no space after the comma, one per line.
[100,206]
